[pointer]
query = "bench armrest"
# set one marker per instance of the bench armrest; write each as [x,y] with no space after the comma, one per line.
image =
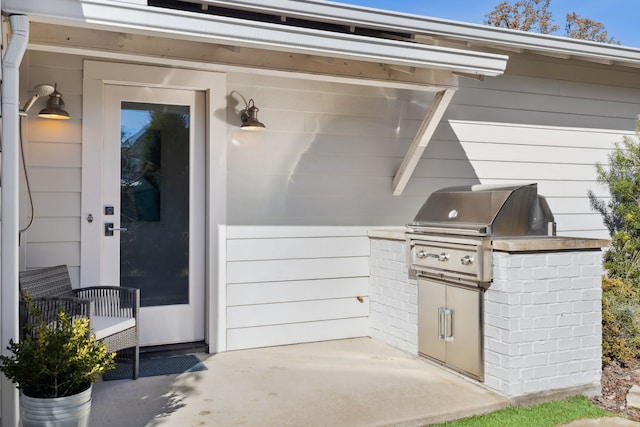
[112,300]
[46,309]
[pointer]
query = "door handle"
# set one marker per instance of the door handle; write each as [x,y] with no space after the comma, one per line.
[441,322]
[109,229]
[448,324]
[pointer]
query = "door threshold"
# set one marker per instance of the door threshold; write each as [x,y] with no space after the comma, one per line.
[165,350]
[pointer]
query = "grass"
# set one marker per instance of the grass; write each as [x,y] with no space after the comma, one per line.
[548,414]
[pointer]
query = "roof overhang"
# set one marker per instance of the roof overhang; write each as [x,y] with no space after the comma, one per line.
[139,18]
[136,17]
[433,30]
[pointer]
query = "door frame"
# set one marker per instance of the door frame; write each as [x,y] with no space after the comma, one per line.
[172,322]
[96,75]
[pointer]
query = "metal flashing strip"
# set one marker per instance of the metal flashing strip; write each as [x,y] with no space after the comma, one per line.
[126,16]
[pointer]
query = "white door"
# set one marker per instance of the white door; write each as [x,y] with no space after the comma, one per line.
[154,200]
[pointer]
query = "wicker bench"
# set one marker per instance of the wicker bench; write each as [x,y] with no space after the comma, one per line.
[112,310]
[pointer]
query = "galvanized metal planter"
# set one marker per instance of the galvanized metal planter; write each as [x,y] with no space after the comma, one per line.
[69,411]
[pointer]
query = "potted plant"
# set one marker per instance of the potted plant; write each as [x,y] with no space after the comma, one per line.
[54,367]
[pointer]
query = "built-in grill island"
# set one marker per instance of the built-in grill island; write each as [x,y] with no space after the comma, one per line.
[449,250]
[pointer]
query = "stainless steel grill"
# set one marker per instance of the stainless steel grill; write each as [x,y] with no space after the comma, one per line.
[451,234]
[449,251]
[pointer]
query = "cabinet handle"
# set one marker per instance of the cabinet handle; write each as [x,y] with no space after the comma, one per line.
[441,322]
[448,324]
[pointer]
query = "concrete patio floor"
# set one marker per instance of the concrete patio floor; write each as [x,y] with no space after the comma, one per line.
[356,382]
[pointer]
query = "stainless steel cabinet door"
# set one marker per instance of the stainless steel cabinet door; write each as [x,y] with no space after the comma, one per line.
[450,325]
[431,301]
[464,342]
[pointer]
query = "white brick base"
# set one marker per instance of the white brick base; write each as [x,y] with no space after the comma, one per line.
[393,297]
[542,317]
[543,322]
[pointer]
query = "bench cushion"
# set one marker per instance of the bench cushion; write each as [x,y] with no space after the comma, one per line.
[104,326]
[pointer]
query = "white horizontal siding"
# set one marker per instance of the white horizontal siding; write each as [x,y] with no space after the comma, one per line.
[332,150]
[295,312]
[62,131]
[561,189]
[329,155]
[46,230]
[571,205]
[295,269]
[536,136]
[49,205]
[53,253]
[288,248]
[295,284]
[53,179]
[576,103]
[279,232]
[295,290]
[563,164]
[53,153]
[294,333]
[592,81]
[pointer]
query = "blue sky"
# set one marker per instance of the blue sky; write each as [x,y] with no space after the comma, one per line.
[620,17]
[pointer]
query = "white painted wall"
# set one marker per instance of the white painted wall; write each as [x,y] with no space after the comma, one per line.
[560,159]
[329,154]
[330,151]
[547,121]
[287,285]
[53,151]
[328,157]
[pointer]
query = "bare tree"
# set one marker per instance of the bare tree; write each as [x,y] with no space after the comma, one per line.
[587,29]
[534,15]
[525,15]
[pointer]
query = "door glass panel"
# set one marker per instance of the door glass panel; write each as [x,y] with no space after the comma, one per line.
[154,202]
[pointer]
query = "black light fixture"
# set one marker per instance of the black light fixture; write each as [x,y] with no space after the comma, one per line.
[55,104]
[249,115]
[55,107]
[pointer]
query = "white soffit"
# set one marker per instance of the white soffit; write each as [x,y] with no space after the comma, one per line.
[127,16]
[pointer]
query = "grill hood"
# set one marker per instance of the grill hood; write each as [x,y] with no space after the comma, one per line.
[486,210]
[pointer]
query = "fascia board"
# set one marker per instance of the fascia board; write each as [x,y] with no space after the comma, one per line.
[125,16]
[426,26]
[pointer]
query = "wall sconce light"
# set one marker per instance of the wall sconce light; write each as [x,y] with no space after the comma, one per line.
[55,104]
[249,115]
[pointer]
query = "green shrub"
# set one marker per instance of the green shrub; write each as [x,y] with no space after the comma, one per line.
[621,216]
[62,358]
[620,320]
[621,213]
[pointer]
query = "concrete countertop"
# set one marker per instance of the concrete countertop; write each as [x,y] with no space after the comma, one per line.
[515,244]
[391,233]
[548,243]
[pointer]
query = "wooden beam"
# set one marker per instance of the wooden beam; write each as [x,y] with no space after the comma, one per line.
[429,124]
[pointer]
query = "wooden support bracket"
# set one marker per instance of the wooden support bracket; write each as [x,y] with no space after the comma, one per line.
[427,128]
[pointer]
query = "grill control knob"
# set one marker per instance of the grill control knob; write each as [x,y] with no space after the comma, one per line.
[422,254]
[467,260]
[443,257]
